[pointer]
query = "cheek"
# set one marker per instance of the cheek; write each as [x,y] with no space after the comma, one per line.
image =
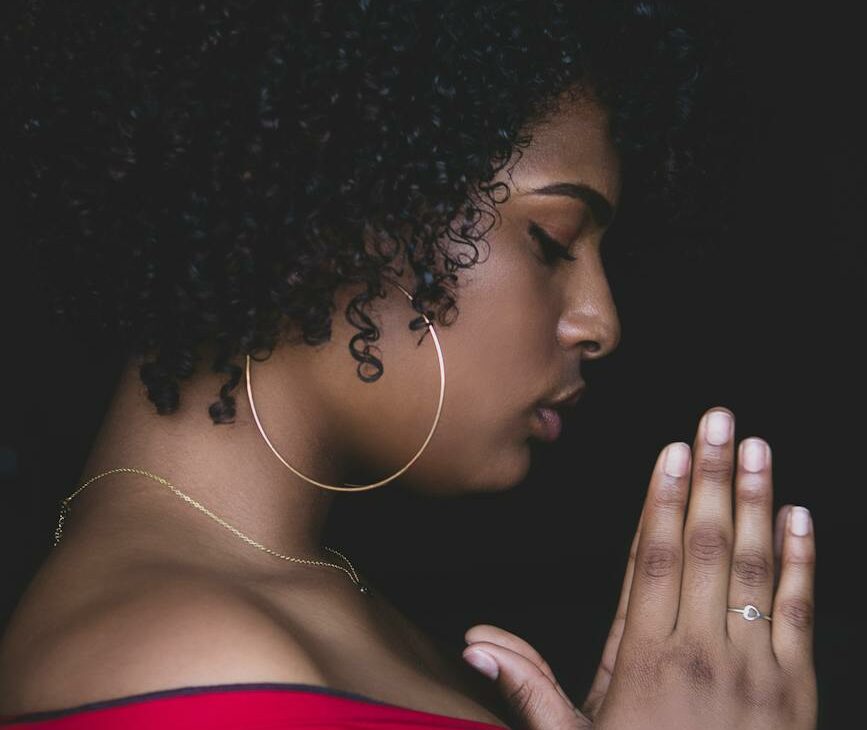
[499,360]
[483,439]
[500,351]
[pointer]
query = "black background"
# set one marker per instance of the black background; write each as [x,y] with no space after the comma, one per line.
[768,322]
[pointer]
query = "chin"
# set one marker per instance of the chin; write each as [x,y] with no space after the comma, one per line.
[502,471]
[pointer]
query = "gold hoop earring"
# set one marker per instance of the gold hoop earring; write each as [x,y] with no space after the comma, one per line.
[349,486]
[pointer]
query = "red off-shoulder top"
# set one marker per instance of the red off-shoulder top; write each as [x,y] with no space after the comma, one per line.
[244,706]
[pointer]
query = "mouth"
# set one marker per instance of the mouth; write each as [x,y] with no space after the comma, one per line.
[547,420]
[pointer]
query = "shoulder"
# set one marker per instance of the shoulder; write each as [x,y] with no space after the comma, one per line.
[172,632]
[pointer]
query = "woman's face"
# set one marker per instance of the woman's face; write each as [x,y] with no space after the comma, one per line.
[524,326]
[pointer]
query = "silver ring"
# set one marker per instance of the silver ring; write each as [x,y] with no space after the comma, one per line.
[750,612]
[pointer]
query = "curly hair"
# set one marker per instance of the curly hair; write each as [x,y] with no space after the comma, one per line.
[208,172]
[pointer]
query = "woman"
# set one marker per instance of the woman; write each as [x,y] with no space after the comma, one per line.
[238,172]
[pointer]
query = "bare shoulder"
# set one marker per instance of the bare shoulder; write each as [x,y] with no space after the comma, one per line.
[172,632]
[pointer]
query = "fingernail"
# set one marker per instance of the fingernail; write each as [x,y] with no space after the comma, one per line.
[484,662]
[799,521]
[755,455]
[718,428]
[676,460]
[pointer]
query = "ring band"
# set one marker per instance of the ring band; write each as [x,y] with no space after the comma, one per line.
[750,612]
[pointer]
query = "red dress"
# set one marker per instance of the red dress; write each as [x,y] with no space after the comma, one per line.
[245,706]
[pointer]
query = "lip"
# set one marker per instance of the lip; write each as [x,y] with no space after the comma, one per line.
[548,423]
[569,400]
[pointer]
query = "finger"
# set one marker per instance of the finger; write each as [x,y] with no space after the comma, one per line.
[708,536]
[513,642]
[792,632]
[752,575]
[654,592]
[779,533]
[530,694]
[602,680]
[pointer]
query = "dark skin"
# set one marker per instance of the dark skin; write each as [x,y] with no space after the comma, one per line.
[142,574]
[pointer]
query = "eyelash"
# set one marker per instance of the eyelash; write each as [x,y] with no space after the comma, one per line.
[551,250]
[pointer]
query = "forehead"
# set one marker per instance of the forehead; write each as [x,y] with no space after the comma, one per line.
[571,145]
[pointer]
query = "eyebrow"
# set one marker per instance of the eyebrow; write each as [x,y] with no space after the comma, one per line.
[600,207]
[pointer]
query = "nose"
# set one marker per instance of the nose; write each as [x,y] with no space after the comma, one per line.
[589,319]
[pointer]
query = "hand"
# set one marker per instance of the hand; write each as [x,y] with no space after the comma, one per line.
[675,657]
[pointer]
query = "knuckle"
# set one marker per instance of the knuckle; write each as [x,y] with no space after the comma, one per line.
[689,662]
[797,612]
[524,699]
[752,491]
[708,544]
[752,568]
[696,664]
[799,557]
[715,469]
[658,560]
[699,672]
[670,496]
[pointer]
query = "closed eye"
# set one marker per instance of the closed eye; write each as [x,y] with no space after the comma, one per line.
[551,249]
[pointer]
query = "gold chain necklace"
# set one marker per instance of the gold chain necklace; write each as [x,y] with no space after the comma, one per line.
[64,512]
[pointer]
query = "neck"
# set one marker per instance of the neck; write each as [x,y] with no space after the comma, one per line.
[228,468]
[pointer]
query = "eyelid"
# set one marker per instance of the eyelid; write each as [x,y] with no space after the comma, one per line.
[544,238]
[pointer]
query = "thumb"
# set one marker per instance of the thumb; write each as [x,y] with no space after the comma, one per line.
[531,695]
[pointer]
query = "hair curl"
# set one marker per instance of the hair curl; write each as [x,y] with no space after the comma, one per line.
[191,172]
